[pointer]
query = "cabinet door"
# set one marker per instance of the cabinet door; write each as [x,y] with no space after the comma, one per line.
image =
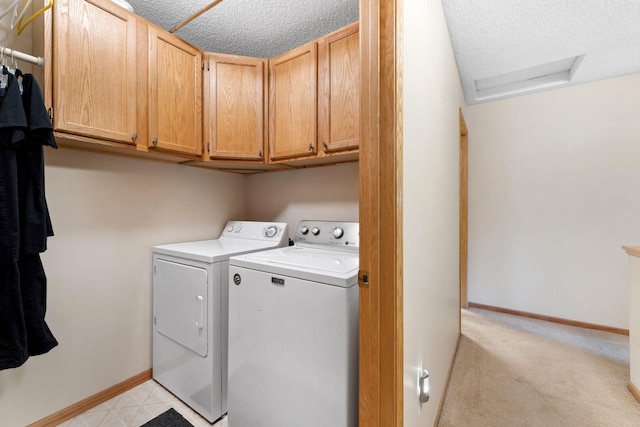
[94,91]
[175,94]
[339,90]
[235,96]
[293,103]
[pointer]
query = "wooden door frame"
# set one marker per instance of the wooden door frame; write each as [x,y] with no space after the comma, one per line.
[464,209]
[380,184]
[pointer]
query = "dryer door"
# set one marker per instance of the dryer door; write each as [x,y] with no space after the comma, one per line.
[180,304]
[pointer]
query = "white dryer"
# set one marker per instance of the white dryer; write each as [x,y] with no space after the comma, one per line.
[293,331]
[190,303]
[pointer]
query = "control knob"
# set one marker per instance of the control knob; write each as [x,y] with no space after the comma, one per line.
[315,231]
[304,229]
[270,231]
[230,228]
[338,233]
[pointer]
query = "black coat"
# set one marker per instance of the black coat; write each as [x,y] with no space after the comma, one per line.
[24,223]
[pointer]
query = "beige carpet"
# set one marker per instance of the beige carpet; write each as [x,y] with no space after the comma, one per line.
[514,371]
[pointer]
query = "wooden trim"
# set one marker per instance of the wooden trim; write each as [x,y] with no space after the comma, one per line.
[464,209]
[446,383]
[463,124]
[634,391]
[195,15]
[632,250]
[578,324]
[92,401]
[381,312]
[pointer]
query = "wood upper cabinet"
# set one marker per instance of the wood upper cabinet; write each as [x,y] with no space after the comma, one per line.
[293,103]
[339,90]
[94,79]
[174,94]
[235,95]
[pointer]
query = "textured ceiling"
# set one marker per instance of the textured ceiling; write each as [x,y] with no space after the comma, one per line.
[494,37]
[258,28]
[493,40]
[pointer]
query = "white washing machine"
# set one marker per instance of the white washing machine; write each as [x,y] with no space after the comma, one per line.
[293,331]
[190,302]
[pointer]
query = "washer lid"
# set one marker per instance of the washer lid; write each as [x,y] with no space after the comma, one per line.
[213,250]
[332,267]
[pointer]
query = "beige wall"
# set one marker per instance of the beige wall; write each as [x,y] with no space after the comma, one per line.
[10,40]
[325,193]
[432,95]
[553,195]
[107,212]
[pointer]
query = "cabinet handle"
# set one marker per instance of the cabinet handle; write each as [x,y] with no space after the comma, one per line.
[310,147]
[134,137]
[155,141]
[324,144]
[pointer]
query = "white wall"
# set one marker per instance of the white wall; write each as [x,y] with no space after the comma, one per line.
[324,193]
[553,195]
[107,212]
[432,95]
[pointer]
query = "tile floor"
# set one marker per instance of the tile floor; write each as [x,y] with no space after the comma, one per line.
[137,406]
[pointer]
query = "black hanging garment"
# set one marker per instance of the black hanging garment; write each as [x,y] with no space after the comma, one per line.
[24,223]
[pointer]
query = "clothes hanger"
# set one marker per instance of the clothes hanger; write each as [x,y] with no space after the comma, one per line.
[17,72]
[9,9]
[17,17]
[14,64]
[22,26]
[4,78]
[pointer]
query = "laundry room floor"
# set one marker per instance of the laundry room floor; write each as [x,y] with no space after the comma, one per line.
[137,406]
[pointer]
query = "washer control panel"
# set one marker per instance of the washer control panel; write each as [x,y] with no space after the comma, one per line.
[255,230]
[344,235]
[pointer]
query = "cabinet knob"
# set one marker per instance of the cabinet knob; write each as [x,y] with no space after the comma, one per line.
[155,141]
[134,137]
[259,153]
[324,145]
[310,147]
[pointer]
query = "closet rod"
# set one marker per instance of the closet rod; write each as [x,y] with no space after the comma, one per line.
[37,60]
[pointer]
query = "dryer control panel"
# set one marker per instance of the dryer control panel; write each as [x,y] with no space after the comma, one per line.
[341,235]
[270,231]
